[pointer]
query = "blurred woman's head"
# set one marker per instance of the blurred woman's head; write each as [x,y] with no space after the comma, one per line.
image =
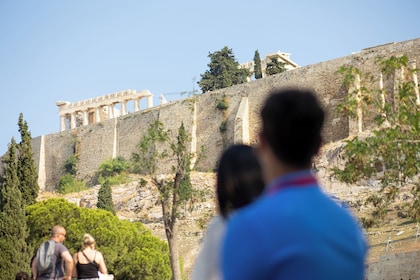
[239,178]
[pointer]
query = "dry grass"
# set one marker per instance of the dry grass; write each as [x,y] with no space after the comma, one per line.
[397,236]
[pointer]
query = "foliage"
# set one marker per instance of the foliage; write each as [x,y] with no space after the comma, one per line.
[275,66]
[388,66]
[114,170]
[113,166]
[173,193]
[71,165]
[257,65]
[224,71]
[222,103]
[223,126]
[68,184]
[15,254]
[105,198]
[129,249]
[389,155]
[368,100]
[145,161]
[26,170]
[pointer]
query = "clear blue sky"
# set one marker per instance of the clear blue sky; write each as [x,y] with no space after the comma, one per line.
[54,50]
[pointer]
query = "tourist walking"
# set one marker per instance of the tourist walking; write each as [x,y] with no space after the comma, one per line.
[60,257]
[88,261]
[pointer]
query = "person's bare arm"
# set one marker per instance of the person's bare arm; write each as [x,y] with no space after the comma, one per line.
[33,267]
[68,259]
[74,273]
[101,263]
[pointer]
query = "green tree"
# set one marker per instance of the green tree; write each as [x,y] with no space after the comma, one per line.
[130,250]
[15,255]
[224,71]
[27,171]
[257,65]
[389,154]
[105,197]
[175,192]
[275,66]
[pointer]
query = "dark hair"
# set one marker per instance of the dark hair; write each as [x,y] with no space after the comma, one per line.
[292,121]
[22,276]
[239,178]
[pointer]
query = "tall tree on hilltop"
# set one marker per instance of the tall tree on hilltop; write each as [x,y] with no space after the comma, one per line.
[15,255]
[105,197]
[257,65]
[275,66]
[224,71]
[175,192]
[26,169]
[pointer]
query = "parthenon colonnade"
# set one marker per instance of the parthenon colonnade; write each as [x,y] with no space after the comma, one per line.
[100,108]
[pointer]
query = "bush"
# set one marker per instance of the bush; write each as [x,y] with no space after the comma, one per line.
[70,165]
[68,184]
[222,104]
[130,250]
[114,180]
[114,170]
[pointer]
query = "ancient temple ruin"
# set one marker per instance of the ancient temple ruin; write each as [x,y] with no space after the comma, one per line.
[99,108]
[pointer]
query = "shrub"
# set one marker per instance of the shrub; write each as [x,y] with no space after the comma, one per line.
[68,184]
[70,165]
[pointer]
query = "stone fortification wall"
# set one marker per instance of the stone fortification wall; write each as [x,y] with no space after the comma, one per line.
[94,143]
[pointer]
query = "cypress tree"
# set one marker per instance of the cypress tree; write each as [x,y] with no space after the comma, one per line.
[26,169]
[105,197]
[15,254]
[257,65]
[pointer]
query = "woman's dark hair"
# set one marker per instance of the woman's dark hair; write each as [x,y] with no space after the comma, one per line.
[292,121]
[239,178]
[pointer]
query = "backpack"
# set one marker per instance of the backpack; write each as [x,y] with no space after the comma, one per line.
[45,257]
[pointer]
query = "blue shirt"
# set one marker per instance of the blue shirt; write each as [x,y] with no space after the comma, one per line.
[294,231]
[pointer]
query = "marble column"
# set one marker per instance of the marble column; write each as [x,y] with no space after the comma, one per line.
[149,101]
[85,117]
[110,111]
[98,114]
[136,104]
[73,120]
[124,108]
[62,122]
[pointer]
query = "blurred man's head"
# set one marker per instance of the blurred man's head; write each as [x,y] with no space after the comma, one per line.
[292,121]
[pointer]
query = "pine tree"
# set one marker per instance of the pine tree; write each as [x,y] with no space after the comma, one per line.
[26,169]
[224,71]
[15,254]
[105,197]
[275,66]
[257,65]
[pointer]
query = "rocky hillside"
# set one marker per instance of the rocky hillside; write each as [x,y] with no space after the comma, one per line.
[134,202]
